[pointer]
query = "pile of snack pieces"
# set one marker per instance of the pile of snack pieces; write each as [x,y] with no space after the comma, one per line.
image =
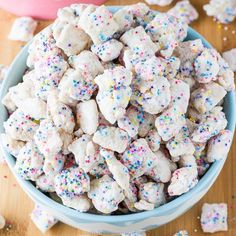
[136,182]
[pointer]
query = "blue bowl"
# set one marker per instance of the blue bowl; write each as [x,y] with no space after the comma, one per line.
[120,223]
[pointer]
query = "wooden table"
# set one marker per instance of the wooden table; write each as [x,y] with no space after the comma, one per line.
[15,204]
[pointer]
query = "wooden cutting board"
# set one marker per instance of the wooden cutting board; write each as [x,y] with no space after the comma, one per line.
[16,206]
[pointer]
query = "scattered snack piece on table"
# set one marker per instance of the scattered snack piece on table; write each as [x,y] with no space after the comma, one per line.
[124,113]
[223,11]
[214,217]
[42,219]
[185,11]
[23,29]
[181,233]
[2,222]
[230,57]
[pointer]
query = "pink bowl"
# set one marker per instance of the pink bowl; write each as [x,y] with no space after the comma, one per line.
[40,9]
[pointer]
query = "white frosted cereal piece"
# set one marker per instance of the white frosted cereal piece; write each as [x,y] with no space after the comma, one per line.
[114,92]
[223,11]
[139,9]
[169,123]
[45,183]
[11,145]
[130,126]
[51,67]
[68,40]
[206,66]
[85,151]
[154,97]
[48,139]
[108,50]
[42,45]
[214,217]
[86,12]
[2,222]
[53,165]
[21,92]
[61,114]
[161,3]
[22,29]
[166,30]
[172,67]
[230,57]
[207,97]
[136,121]
[153,193]
[81,203]
[57,26]
[219,145]
[161,172]
[87,116]
[135,233]
[182,181]
[111,138]
[143,205]
[188,161]
[29,162]
[153,139]
[20,126]
[181,144]
[100,169]
[124,18]
[225,76]
[211,124]
[75,86]
[33,107]
[187,51]
[86,61]
[200,155]
[42,219]
[71,14]
[105,194]
[185,11]
[70,182]
[138,158]
[136,37]
[130,59]
[8,103]
[151,68]
[120,173]
[180,94]
[99,25]
[48,74]
[181,233]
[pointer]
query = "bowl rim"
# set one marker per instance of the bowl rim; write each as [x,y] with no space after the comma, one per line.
[31,190]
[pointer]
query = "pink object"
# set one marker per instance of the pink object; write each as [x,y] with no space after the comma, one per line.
[40,9]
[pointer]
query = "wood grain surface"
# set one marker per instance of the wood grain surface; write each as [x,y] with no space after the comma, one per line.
[15,204]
